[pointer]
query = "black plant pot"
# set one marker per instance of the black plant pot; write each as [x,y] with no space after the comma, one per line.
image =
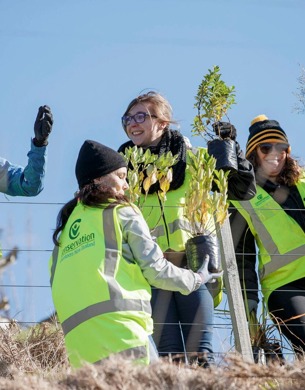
[224,150]
[259,355]
[197,247]
[268,353]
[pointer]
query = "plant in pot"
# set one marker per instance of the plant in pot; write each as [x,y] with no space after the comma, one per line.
[206,203]
[206,207]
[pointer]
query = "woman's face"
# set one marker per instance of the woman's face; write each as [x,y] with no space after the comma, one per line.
[272,158]
[147,133]
[116,180]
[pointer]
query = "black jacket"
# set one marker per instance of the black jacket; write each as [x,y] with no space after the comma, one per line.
[241,184]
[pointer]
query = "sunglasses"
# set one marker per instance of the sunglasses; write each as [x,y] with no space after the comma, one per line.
[139,117]
[267,147]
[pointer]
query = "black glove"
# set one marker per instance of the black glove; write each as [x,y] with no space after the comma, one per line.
[225,130]
[43,126]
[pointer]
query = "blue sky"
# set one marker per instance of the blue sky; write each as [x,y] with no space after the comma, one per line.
[88,59]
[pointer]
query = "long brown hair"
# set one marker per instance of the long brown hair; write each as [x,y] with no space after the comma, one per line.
[91,195]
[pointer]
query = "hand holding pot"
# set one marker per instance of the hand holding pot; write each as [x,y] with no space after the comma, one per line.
[224,147]
[204,273]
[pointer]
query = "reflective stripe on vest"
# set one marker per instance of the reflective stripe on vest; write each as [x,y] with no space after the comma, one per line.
[172,228]
[278,260]
[271,256]
[115,304]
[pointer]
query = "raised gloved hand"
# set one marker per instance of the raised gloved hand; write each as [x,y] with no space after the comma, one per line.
[225,130]
[204,273]
[252,305]
[43,126]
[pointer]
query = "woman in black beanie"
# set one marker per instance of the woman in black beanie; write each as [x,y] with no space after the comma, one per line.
[104,262]
[274,221]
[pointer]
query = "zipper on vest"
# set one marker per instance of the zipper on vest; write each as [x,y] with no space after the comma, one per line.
[164,221]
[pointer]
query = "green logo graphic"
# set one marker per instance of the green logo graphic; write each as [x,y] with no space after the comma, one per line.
[74,229]
[260,199]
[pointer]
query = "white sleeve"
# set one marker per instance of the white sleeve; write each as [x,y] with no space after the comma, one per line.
[139,246]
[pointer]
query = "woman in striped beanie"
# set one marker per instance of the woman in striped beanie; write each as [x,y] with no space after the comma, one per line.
[274,222]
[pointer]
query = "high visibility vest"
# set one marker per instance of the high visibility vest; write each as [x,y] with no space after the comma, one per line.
[102,300]
[168,225]
[170,228]
[280,239]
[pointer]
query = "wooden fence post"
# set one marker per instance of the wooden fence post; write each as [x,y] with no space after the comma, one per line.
[233,289]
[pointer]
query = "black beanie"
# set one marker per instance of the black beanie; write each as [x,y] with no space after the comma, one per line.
[264,130]
[96,160]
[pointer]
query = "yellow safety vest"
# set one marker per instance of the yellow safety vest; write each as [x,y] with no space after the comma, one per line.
[102,300]
[280,239]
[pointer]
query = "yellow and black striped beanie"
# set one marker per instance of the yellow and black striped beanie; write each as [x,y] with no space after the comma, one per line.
[264,130]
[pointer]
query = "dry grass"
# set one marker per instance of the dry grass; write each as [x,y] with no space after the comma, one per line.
[36,359]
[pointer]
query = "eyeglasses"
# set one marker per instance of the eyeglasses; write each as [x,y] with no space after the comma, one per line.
[139,117]
[267,147]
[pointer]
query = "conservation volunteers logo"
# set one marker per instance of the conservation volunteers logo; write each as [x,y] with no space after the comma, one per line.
[74,229]
[78,242]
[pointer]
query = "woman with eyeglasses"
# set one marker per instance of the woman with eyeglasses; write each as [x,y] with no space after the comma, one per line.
[274,221]
[183,328]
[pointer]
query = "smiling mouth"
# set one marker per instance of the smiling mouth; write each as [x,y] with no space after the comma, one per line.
[136,132]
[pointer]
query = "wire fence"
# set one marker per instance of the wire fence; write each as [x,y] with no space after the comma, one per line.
[223,330]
